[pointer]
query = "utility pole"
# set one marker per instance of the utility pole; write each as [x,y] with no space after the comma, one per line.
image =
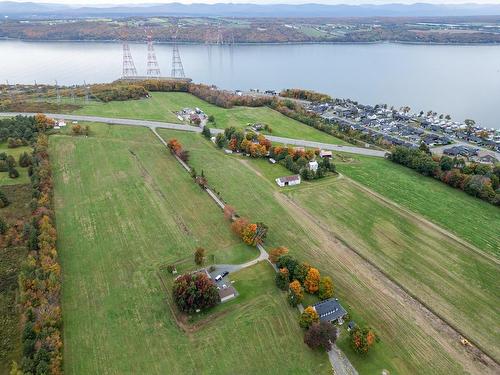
[87,91]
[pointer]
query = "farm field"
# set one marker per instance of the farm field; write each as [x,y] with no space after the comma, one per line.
[124,207]
[409,343]
[454,281]
[163,105]
[470,218]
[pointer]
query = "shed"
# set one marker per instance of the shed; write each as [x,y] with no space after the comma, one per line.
[325,154]
[313,165]
[288,180]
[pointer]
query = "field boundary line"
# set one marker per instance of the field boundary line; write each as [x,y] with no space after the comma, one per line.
[477,350]
[422,220]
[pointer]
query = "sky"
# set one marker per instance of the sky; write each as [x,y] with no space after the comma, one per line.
[350,2]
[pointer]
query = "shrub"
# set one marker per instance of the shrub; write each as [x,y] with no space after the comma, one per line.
[276,253]
[4,201]
[199,256]
[282,278]
[296,293]
[13,173]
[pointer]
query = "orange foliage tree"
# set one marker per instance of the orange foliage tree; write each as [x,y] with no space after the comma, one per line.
[296,293]
[308,317]
[275,253]
[312,280]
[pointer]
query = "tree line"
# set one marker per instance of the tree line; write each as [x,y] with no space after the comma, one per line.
[478,180]
[40,279]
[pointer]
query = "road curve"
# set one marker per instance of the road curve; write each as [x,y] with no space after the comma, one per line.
[195,129]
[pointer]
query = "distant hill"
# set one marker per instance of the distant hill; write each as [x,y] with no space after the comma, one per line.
[40,10]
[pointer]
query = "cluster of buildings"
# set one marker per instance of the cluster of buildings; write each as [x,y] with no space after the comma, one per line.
[402,128]
[193,116]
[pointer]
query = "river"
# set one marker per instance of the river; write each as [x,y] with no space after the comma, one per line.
[463,81]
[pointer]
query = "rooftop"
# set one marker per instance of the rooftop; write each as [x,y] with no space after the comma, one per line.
[329,310]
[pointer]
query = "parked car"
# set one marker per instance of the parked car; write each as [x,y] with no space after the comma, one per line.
[225,273]
[218,278]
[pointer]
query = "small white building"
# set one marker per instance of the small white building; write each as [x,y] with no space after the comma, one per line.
[61,123]
[288,180]
[313,165]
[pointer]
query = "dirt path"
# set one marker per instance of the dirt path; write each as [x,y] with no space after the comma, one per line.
[470,357]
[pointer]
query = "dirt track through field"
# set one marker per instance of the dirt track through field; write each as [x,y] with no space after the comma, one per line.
[470,357]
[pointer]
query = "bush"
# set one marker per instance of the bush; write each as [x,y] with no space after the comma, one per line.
[13,173]
[282,278]
[362,339]
[325,288]
[195,291]
[24,160]
[4,201]
[3,225]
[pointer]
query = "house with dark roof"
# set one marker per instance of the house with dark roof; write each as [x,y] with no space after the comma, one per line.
[330,310]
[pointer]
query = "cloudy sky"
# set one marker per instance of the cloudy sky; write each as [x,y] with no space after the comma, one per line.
[351,2]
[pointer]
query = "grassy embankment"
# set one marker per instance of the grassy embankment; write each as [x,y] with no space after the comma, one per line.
[408,345]
[124,208]
[163,105]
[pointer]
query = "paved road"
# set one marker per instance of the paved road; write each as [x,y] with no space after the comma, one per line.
[168,125]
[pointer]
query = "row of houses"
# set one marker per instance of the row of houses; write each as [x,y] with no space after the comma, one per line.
[400,127]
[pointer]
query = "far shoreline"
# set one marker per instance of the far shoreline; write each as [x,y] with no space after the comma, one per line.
[254,43]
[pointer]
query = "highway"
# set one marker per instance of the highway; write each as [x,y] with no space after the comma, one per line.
[168,125]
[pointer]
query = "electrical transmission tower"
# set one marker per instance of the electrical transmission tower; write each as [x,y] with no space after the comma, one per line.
[220,40]
[87,91]
[58,94]
[129,69]
[153,67]
[177,68]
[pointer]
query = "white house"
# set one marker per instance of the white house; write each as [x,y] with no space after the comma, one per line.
[288,180]
[313,165]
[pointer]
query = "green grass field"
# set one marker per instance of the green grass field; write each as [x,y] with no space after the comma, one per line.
[454,281]
[124,207]
[163,105]
[408,345]
[470,218]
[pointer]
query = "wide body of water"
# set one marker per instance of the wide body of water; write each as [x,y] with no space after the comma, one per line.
[463,81]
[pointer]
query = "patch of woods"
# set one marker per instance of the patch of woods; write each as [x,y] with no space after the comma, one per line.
[308,95]
[195,292]
[296,160]
[297,278]
[476,179]
[40,278]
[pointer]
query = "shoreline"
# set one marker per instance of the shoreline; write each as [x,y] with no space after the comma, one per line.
[396,42]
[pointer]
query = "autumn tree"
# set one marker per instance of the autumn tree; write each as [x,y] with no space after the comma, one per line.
[282,278]
[296,293]
[276,253]
[308,317]
[287,261]
[362,339]
[195,291]
[76,129]
[24,160]
[174,146]
[325,288]
[311,283]
[239,225]
[199,256]
[300,272]
[43,122]
[321,336]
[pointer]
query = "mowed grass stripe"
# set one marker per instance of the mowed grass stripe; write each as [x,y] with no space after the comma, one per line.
[439,271]
[115,229]
[409,344]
